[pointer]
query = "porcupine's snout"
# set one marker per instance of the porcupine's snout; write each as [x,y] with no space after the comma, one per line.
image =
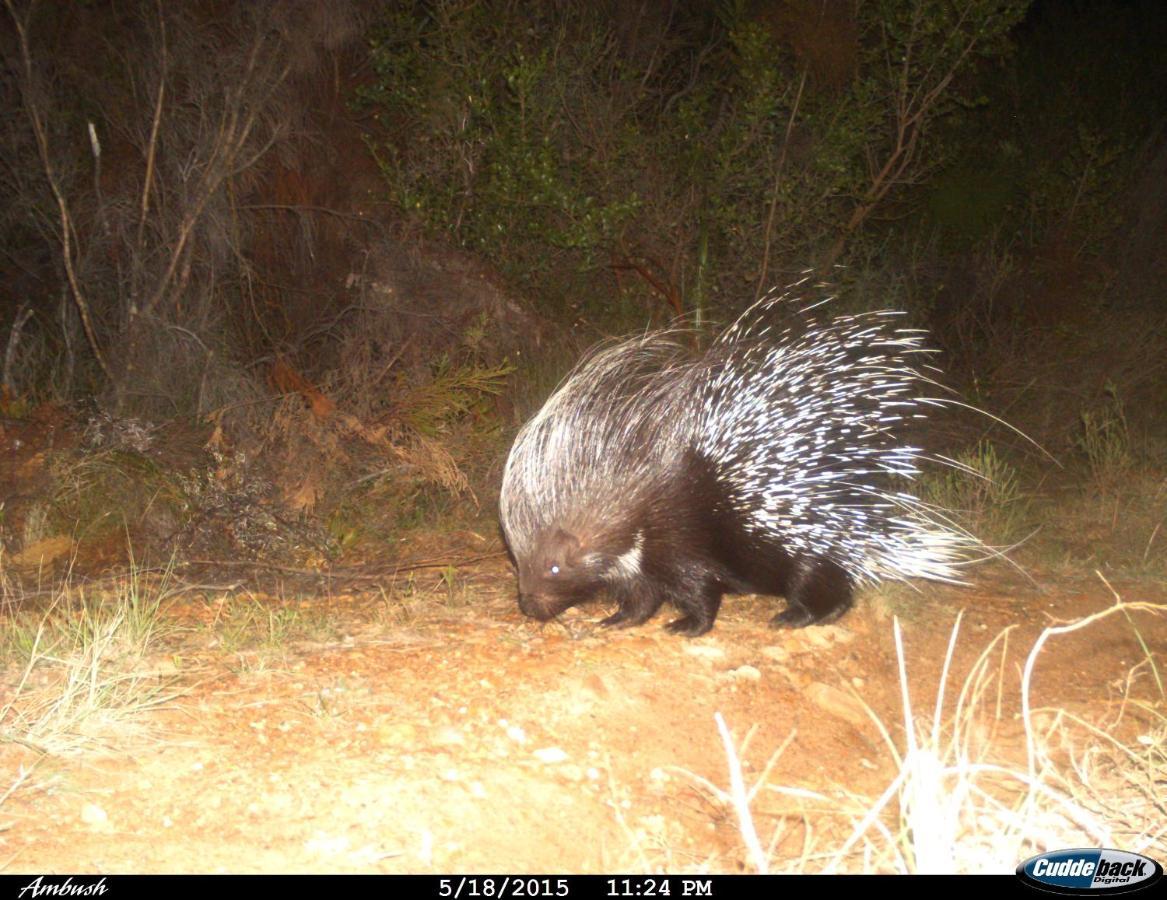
[538,599]
[554,575]
[540,607]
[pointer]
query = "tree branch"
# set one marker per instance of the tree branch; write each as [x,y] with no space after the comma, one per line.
[42,143]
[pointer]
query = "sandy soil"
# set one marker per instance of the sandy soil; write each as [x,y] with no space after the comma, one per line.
[466,738]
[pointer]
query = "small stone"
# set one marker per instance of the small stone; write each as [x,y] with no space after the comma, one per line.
[743,673]
[94,816]
[838,703]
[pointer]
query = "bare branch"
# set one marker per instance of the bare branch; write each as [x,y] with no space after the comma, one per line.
[22,315]
[774,191]
[67,232]
[152,146]
[913,106]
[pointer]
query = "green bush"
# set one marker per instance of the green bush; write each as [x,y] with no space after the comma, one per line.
[696,158]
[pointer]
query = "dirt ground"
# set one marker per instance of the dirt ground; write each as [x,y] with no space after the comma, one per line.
[456,736]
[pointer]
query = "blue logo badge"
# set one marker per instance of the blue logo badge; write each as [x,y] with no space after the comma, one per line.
[1089,871]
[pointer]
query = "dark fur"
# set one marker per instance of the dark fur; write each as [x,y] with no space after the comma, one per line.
[694,550]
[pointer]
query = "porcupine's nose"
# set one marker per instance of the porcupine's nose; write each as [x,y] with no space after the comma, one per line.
[537,607]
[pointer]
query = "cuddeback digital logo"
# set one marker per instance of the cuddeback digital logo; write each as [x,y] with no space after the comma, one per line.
[1089,871]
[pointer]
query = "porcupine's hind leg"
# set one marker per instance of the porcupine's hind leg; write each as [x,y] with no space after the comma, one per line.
[818,591]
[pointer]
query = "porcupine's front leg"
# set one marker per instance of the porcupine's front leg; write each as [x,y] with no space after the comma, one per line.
[699,604]
[638,604]
[819,591]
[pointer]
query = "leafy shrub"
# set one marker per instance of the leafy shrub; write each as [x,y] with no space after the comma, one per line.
[705,151]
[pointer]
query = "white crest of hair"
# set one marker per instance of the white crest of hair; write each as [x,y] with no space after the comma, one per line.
[627,564]
[802,423]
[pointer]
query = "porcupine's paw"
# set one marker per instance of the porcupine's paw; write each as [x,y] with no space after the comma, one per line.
[623,618]
[689,626]
[699,611]
[819,592]
[793,617]
[632,613]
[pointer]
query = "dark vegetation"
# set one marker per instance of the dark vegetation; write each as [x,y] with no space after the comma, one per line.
[280,279]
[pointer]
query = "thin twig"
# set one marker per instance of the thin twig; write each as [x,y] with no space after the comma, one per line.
[22,315]
[152,146]
[777,181]
[737,793]
[42,143]
[361,574]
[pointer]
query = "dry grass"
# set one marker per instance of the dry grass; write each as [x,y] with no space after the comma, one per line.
[82,670]
[959,802]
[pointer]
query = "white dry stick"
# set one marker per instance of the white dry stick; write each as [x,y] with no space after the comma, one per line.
[922,800]
[1119,605]
[737,792]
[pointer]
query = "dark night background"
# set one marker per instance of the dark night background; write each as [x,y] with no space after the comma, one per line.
[279,281]
[413,216]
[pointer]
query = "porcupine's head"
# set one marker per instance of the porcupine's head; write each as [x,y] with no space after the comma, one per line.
[586,463]
[563,568]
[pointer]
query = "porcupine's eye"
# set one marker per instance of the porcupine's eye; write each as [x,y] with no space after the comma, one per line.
[553,569]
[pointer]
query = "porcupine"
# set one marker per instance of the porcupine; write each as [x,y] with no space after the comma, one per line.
[770,463]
